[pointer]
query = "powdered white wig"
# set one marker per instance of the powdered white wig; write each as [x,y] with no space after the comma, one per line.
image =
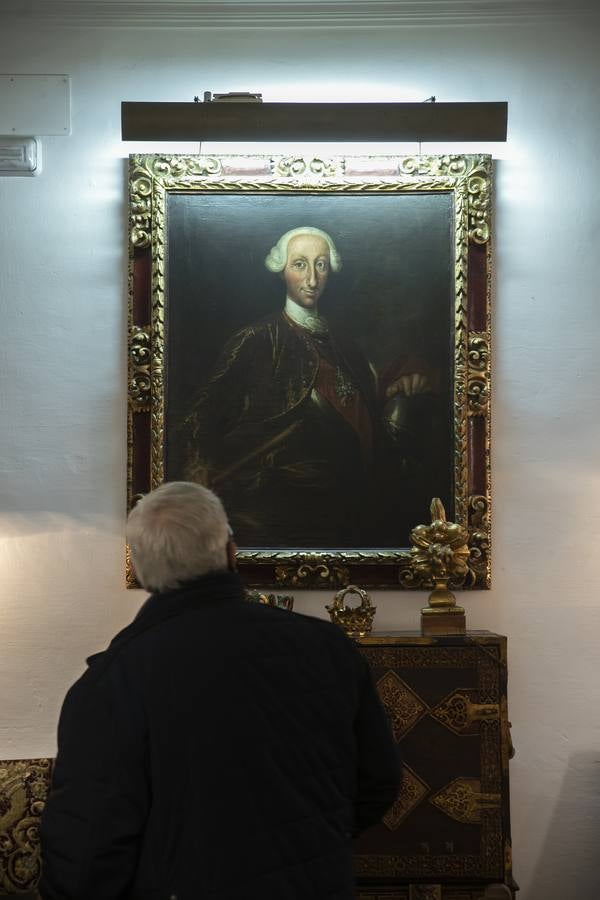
[277,258]
[177,533]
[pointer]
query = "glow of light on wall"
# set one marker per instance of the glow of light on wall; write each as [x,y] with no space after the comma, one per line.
[345,92]
[310,148]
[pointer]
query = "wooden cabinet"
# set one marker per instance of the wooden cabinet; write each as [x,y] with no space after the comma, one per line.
[447,837]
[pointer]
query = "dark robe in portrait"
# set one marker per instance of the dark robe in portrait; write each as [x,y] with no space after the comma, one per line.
[285,431]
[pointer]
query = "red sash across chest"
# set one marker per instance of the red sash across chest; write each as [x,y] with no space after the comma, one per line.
[353,409]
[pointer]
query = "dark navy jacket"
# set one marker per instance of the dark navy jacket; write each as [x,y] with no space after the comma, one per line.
[218,750]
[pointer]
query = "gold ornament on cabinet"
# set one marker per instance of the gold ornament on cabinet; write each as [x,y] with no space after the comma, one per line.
[356,621]
[440,552]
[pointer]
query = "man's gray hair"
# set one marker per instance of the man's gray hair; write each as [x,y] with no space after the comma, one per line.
[277,256]
[177,533]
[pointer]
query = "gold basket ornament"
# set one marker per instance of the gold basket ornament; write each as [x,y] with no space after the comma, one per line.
[356,621]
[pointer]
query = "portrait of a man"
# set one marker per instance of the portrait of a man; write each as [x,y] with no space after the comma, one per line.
[315,429]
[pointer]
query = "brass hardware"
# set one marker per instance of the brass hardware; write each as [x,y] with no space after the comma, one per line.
[463,800]
[413,791]
[505,725]
[404,708]
[458,713]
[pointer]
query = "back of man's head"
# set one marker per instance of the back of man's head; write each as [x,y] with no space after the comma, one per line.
[177,533]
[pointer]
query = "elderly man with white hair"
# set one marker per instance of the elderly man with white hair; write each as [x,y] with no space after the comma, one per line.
[288,425]
[218,748]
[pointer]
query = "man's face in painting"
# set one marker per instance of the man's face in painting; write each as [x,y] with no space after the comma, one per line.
[307,269]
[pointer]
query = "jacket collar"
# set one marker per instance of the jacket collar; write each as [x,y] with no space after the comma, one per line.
[214,588]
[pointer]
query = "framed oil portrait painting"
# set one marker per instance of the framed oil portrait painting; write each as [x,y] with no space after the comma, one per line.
[310,339]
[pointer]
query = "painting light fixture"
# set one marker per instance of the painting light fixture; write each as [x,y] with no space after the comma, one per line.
[244,117]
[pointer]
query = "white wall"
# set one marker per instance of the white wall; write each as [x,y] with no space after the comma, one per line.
[62,443]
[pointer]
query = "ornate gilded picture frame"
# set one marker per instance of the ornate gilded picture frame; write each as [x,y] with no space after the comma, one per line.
[311,339]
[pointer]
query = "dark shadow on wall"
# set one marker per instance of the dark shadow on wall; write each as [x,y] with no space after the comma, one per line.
[568,864]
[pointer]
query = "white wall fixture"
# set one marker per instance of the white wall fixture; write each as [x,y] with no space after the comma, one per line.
[35,104]
[20,156]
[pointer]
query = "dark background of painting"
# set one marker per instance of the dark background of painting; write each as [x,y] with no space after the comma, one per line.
[394,295]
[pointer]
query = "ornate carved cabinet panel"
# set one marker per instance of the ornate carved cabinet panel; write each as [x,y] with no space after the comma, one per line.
[448,834]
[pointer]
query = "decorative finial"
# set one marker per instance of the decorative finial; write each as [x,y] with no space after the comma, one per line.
[440,552]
